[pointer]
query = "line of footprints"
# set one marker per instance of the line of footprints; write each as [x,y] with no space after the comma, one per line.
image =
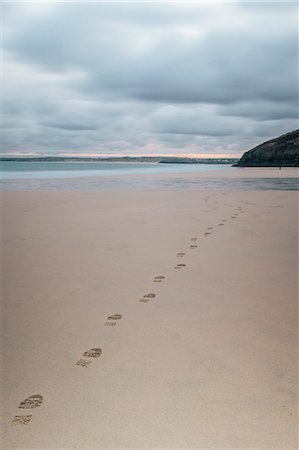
[89,355]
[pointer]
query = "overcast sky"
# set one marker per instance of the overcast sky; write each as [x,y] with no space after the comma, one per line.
[148,78]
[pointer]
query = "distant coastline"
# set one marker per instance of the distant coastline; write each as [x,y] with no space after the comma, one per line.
[130,159]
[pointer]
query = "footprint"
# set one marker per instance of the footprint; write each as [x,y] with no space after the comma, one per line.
[22,420]
[83,363]
[194,239]
[287,410]
[223,220]
[179,266]
[158,279]
[146,298]
[193,246]
[206,234]
[31,402]
[220,224]
[92,353]
[210,228]
[110,324]
[114,317]
[180,255]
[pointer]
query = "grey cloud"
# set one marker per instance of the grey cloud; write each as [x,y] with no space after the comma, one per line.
[128,76]
[221,66]
[193,121]
[71,127]
[261,110]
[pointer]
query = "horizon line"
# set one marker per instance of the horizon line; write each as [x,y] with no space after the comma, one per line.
[107,155]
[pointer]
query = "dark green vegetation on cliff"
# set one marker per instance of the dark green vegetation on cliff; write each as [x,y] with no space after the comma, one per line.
[281,151]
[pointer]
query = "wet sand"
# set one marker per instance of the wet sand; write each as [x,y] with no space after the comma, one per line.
[121,357]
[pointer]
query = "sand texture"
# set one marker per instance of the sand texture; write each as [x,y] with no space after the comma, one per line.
[149,319]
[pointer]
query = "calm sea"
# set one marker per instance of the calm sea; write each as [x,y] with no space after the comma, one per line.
[126,176]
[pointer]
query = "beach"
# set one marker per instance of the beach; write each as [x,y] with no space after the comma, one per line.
[208,360]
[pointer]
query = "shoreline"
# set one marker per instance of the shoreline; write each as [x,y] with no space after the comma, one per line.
[229,179]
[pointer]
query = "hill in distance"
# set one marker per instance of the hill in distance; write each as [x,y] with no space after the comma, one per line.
[282,151]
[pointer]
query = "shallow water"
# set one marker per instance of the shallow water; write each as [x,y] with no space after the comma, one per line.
[41,170]
[126,176]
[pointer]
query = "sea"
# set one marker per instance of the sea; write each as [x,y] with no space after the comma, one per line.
[25,175]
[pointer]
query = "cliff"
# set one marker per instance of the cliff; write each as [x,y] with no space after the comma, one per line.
[281,151]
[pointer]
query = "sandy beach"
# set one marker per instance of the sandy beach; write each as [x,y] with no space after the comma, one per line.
[208,361]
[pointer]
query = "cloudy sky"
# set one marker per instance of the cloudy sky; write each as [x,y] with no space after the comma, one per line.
[147,78]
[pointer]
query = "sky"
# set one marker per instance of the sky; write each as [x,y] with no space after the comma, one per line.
[185,78]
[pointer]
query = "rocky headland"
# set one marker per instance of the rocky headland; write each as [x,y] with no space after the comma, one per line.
[282,151]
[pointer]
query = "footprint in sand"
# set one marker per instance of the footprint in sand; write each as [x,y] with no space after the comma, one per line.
[114,317]
[210,228]
[179,266]
[29,403]
[220,224]
[180,255]
[83,363]
[159,279]
[207,234]
[92,353]
[111,320]
[193,246]
[193,239]
[147,297]
[22,420]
